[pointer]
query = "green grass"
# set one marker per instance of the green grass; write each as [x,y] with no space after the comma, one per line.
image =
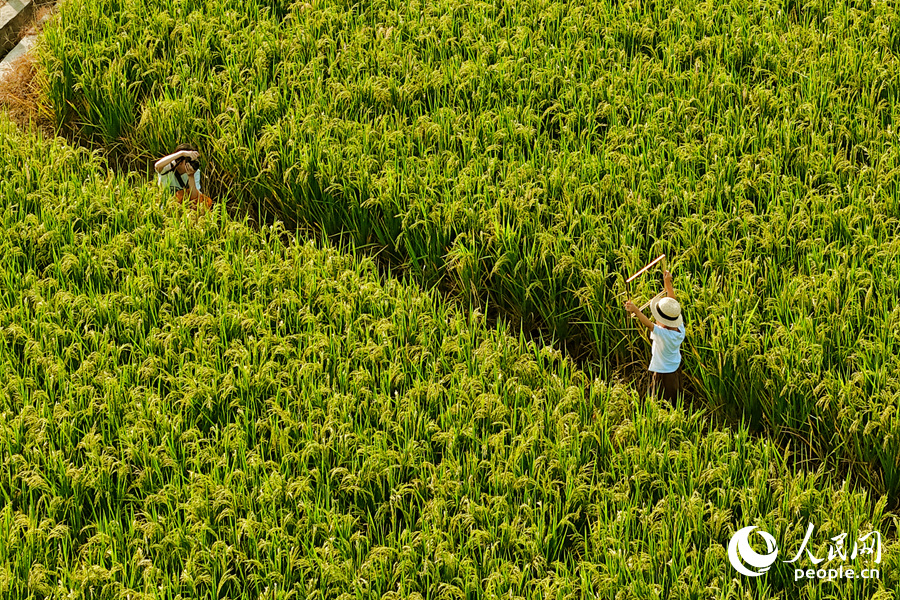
[191,408]
[531,155]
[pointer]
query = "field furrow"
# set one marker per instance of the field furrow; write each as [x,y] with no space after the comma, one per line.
[529,155]
[191,408]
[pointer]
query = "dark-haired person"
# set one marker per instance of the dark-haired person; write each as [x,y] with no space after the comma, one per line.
[667,333]
[180,172]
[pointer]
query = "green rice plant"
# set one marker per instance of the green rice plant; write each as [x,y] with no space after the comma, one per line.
[194,407]
[527,155]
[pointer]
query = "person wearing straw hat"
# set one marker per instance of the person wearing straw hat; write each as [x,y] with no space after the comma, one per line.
[666,334]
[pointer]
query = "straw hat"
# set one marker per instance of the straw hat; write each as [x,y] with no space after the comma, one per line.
[667,311]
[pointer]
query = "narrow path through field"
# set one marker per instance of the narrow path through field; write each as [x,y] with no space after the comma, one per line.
[20,99]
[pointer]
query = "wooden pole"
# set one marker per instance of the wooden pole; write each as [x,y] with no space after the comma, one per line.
[661,257]
[647,266]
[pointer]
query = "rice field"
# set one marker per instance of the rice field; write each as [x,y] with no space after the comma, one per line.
[197,408]
[191,408]
[529,155]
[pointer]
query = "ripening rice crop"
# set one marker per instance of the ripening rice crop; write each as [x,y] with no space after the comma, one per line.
[191,408]
[531,154]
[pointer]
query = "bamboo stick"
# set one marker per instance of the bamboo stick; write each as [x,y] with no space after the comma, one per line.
[647,266]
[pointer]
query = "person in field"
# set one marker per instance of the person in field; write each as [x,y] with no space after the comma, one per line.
[666,333]
[180,172]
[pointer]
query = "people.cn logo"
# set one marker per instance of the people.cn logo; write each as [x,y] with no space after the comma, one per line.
[743,556]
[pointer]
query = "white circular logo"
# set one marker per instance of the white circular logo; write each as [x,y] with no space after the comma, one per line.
[740,553]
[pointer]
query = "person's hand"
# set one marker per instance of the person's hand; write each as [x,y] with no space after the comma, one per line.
[630,307]
[188,169]
[667,277]
[190,154]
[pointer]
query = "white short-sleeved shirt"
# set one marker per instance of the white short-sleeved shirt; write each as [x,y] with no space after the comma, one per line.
[167,179]
[665,355]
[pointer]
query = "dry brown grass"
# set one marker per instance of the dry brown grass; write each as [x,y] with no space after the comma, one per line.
[20,97]
[19,92]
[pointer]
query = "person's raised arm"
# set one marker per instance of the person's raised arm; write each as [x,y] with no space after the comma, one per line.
[667,279]
[165,160]
[633,309]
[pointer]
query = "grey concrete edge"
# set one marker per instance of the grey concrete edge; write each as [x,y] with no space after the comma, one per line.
[14,19]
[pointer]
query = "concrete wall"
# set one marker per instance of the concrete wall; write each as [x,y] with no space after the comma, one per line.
[14,18]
